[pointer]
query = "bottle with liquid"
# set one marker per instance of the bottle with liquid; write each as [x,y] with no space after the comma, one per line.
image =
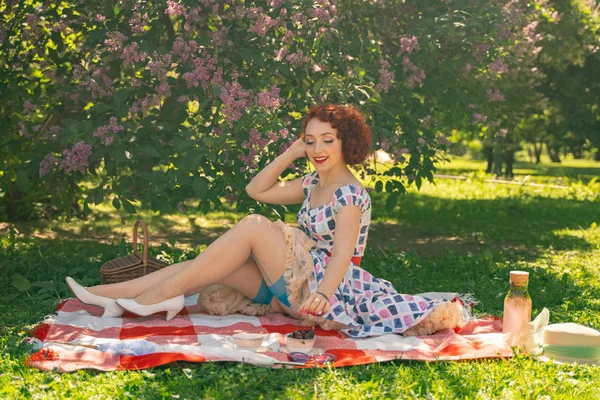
[517,307]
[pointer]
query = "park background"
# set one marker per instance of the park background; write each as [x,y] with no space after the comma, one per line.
[486,123]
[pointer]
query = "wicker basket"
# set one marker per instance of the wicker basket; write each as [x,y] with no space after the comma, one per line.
[133,265]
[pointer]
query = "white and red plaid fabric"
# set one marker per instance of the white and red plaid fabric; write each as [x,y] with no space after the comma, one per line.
[77,337]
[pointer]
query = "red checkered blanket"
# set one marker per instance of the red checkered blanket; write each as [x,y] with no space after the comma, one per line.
[76,337]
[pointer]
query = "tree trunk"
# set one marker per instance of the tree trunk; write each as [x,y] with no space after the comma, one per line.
[597,155]
[553,153]
[509,160]
[498,156]
[489,155]
[538,152]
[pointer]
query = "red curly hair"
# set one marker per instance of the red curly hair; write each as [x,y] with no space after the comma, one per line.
[351,126]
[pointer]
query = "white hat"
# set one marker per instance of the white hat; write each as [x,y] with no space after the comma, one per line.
[570,342]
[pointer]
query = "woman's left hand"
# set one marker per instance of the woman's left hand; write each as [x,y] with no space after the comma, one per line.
[316,304]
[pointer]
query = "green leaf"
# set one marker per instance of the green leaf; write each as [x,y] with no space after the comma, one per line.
[391,202]
[122,95]
[116,204]
[149,151]
[389,187]
[379,187]
[172,240]
[23,181]
[128,206]
[20,282]
[200,187]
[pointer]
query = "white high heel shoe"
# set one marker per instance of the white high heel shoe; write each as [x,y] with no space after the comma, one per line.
[111,308]
[171,306]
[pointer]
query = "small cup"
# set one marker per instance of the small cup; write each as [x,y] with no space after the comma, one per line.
[247,340]
[301,345]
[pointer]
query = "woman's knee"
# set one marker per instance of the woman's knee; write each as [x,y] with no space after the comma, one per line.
[252,223]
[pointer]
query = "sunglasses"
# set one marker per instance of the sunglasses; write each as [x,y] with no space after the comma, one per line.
[320,359]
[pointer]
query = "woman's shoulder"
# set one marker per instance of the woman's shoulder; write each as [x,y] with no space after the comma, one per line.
[309,180]
[352,193]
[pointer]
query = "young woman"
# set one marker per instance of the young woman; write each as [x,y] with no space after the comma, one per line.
[312,273]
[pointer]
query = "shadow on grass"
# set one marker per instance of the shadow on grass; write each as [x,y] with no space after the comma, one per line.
[523,168]
[431,225]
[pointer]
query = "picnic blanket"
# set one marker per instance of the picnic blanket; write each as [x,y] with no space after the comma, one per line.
[76,337]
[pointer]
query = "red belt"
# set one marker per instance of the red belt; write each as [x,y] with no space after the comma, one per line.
[355,260]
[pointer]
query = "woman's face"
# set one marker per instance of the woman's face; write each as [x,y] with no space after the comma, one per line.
[323,148]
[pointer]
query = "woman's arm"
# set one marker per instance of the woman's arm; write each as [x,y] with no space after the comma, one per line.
[265,186]
[346,234]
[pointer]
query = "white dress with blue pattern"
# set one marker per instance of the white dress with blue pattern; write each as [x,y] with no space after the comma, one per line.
[368,306]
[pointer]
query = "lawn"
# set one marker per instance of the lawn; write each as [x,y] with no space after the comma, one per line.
[456,235]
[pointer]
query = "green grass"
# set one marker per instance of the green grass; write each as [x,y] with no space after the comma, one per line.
[462,236]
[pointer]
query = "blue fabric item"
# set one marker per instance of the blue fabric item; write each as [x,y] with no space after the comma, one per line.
[264,295]
[278,289]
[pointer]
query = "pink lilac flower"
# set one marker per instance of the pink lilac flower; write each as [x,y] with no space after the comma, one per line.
[505,32]
[498,66]
[480,50]
[52,131]
[23,129]
[235,101]
[299,19]
[284,133]
[76,159]
[100,18]
[477,118]
[409,44]
[174,8]
[219,38]
[421,141]
[280,53]
[131,54]
[114,125]
[418,74]
[426,120]
[317,68]
[467,68]
[115,41]
[385,77]
[102,131]
[442,140]
[202,73]
[495,95]
[183,99]
[320,13]
[270,98]
[29,108]
[158,67]
[136,23]
[261,25]
[47,164]
[163,89]
[275,3]
[503,132]
[297,59]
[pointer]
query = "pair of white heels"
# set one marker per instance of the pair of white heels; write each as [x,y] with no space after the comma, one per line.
[115,308]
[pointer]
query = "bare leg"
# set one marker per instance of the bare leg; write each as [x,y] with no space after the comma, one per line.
[135,287]
[253,234]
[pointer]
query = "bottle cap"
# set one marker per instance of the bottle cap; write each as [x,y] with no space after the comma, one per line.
[519,277]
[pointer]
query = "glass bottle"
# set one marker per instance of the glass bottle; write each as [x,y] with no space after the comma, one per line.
[517,307]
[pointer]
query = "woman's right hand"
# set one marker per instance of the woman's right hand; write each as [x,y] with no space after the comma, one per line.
[298,149]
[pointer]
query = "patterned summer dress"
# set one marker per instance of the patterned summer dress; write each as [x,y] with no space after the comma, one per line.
[368,306]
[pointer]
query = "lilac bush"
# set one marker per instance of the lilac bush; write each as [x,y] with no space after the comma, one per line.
[169,102]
